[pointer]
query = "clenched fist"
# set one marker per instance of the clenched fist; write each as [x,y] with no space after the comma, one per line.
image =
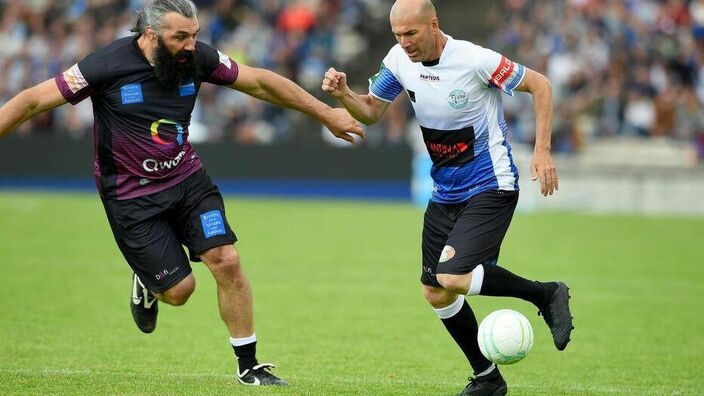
[335,83]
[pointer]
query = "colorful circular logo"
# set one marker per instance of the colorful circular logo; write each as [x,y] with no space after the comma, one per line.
[155,131]
[457,99]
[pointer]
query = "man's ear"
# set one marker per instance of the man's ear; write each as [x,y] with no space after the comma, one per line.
[151,34]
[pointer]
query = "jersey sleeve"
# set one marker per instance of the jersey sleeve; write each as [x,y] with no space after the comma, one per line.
[384,85]
[499,71]
[81,79]
[218,68]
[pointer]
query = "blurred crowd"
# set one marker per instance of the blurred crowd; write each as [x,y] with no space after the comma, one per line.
[297,38]
[618,67]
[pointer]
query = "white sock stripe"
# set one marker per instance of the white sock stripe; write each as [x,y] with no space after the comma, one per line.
[477,280]
[243,341]
[450,310]
[487,371]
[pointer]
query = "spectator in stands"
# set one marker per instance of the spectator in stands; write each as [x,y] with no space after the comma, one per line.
[619,67]
[293,38]
[626,67]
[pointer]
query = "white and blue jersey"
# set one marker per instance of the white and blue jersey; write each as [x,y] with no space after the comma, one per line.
[457,101]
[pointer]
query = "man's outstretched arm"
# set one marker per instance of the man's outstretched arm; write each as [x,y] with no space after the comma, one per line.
[541,166]
[273,88]
[364,108]
[41,97]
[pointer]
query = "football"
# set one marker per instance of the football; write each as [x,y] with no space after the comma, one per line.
[505,336]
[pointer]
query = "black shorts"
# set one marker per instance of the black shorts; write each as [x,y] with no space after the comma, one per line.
[459,237]
[150,230]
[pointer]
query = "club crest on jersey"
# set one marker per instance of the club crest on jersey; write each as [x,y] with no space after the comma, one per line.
[457,99]
[448,252]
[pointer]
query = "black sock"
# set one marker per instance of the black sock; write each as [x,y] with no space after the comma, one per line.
[501,283]
[246,356]
[463,328]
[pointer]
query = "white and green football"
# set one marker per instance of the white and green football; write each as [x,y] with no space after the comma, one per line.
[505,336]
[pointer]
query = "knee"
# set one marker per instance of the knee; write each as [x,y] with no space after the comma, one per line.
[180,293]
[456,283]
[438,297]
[223,261]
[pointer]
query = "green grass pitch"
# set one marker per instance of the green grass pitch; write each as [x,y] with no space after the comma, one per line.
[338,305]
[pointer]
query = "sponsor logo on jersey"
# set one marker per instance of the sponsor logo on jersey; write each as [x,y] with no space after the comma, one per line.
[187,89]
[166,272]
[457,99]
[449,147]
[429,77]
[152,165]
[155,131]
[503,72]
[131,93]
[445,151]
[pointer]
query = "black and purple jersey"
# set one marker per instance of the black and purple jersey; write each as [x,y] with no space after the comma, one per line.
[140,128]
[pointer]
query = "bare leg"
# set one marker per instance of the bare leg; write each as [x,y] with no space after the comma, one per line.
[234,292]
[179,293]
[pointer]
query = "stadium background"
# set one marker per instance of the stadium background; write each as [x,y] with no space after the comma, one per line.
[628,80]
[335,280]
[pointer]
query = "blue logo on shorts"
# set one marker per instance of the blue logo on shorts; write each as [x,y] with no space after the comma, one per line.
[187,89]
[213,223]
[132,93]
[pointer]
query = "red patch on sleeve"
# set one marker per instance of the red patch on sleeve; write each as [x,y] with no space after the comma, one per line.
[503,72]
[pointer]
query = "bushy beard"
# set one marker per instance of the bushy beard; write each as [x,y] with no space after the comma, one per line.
[173,71]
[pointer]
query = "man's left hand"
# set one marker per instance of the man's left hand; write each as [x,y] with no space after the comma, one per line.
[541,167]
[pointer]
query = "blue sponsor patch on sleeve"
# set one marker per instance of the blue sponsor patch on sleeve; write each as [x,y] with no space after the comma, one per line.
[132,93]
[213,223]
[187,89]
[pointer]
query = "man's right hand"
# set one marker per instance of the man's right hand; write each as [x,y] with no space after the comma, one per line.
[335,83]
[364,108]
[342,125]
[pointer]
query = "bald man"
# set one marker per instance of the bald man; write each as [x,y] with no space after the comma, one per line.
[455,88]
